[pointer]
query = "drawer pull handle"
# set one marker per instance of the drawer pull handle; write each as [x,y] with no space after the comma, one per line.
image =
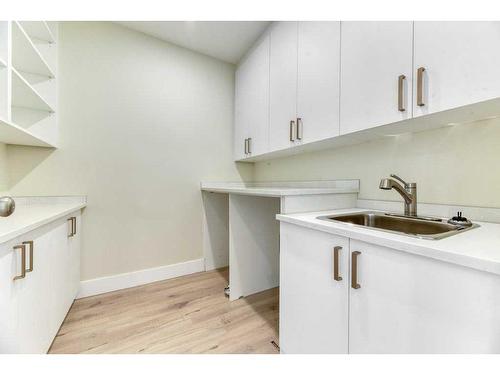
[354,270]
[31,254]
[72,222]
[336,251]
[401,87]
[300,128]
[420,86]
[23,262]
[292,131]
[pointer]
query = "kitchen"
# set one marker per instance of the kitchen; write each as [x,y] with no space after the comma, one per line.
[278,187]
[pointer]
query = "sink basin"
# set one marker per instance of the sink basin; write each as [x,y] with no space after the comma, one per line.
[421,227]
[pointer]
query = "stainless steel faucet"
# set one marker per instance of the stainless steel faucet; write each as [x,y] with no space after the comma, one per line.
[408,191]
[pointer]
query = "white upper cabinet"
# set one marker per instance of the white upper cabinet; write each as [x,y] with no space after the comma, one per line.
[309,82]
[305,67]
[376,78]
[318,80]
[461,61]
[252,103]
[283,95]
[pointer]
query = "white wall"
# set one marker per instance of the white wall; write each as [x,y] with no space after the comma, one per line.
[453,165]
[142,122]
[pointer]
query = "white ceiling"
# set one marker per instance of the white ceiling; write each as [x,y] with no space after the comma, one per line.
[224,40]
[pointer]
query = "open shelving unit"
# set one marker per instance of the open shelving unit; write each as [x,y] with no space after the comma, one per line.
[28,86]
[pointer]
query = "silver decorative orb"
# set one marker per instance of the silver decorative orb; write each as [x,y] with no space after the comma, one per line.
[7,206]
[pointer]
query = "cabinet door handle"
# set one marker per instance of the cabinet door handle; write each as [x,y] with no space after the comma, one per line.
[73,225]
[299,128]
[245,146]
[354,270]
[31,254]
[23,262]
[71,234]
[336,251]
[292,131]
[249,147]
[401,87]
[420,86]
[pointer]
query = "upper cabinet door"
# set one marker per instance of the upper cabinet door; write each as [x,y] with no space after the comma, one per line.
[461,61]
[318,80]
[252,102]
[283,103]
[376,74]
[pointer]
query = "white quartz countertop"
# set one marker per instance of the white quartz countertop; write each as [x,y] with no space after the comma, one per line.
[33,213]
[279,189]
[477,248]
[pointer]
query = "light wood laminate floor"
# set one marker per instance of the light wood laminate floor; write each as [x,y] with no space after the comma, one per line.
[188,314]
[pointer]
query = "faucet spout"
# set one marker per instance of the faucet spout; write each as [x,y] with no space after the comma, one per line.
[408,192]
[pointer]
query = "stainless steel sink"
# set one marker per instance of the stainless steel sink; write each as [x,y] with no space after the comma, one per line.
[421,227]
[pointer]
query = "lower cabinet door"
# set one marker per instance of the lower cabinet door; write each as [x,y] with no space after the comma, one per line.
[313,305]
[9,299]
[412,304]
[35,303]
[74,254]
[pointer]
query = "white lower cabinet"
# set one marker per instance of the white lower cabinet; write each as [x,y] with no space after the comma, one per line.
[313,305]
[412,304]
[33,307]
[404,303]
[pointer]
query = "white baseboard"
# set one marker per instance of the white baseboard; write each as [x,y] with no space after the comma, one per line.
[127,280]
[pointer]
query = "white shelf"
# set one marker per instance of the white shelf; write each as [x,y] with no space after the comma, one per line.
[38,30]
[25,55]
[15,135]
[25,96]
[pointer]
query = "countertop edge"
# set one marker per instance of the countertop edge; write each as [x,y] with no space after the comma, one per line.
[19,232]
[276,192]
[428,252]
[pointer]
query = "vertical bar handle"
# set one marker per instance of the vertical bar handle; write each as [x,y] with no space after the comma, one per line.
[292,131]
[336,251]
[31,254]
[401,88]
[299,128]
[71,234]
[246,146]
[249,147]
[73,225]
[420,86]
[23,262]
[354,270]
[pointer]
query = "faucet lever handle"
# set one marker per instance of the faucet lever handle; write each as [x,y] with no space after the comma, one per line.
[400,180]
